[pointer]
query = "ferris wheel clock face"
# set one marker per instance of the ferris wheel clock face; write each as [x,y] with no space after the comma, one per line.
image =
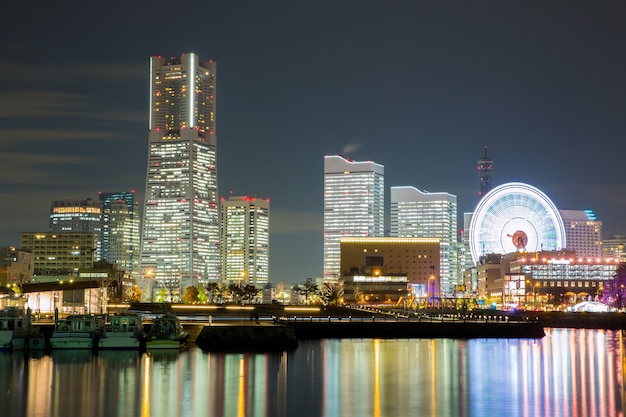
[515,217]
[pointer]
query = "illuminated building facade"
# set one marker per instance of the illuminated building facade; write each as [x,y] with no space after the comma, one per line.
[60,254]
[615,247]
[245,240]
[354,205]
[429,215]
[16,266]
[560,278]
[120,232]
[583,232]
[414,261]
[549,277]
[180,230]
[79,216]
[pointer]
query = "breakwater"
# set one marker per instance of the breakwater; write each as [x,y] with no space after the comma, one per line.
[557,319]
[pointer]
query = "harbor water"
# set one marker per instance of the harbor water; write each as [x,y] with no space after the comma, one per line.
[570,372]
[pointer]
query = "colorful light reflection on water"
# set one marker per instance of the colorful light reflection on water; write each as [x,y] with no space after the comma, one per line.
[568,373]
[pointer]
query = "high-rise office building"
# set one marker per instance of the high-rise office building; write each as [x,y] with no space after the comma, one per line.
[180,230]
[354,206]
[614,247]
[120,231]
[429,215]
[485,168]
[78,216]
[583,232]
[245,240]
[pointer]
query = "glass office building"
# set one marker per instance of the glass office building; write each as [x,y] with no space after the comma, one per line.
[354,200]
[78,216]
[429,215]
[120,231]
[180,238]
[245,240]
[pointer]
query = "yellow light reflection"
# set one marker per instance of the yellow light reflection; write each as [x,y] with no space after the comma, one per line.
[433,374]
[241,403]
[145,398]
[239,308]
[195,307]
[376,378]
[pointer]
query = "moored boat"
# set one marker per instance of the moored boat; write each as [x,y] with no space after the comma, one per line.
[166,332]
[36,340]
[13,329]
[122,331]
[78,331]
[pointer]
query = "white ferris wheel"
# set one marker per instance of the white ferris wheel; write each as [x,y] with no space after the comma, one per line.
[515,217]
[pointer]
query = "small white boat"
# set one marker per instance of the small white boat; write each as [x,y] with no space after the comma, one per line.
[122,331]
[166,332]
[13,329]
[78,331]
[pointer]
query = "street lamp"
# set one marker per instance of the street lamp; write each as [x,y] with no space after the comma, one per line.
[149,274]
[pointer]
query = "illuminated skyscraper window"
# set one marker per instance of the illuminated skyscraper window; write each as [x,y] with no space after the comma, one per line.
[180,239]
[78,216]
[583,232]
[245,240]
[120,232]
[428,215]
[354,206]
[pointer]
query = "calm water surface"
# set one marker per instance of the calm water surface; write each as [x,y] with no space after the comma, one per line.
[568,373]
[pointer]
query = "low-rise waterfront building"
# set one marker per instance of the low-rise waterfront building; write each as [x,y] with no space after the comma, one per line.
[389,261]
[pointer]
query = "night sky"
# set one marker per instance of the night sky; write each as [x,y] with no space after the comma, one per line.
[419,87]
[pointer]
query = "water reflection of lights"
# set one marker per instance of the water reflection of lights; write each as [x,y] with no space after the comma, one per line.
[573,373]
[433,379]
[376,377]
[241,403]
[145,397]
[578,381]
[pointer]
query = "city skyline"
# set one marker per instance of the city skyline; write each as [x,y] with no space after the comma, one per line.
[419,88]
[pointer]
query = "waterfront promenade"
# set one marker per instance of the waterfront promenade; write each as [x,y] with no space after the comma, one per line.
[321,322]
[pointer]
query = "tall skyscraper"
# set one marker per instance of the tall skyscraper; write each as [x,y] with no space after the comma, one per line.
[429,215]
[485,168]
[78,216]
[583,232]
[354,206]
[245,240]
[120,232]
[180,239]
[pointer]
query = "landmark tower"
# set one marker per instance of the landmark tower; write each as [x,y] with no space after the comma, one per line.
[180,235]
